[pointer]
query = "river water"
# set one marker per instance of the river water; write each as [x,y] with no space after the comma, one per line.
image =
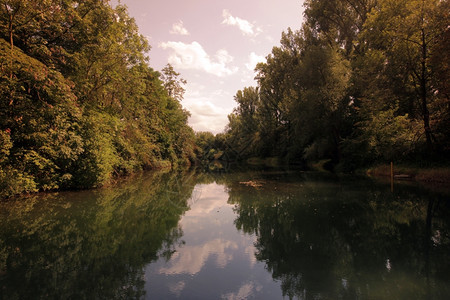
[239,235]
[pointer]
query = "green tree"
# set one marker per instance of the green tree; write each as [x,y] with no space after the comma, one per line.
[353,84]
[80,104]
[303,88]
[244,124]
[339,21]
[173,83]
[42,119]
[408,32]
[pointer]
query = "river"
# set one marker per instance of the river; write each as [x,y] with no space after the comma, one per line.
[272,234]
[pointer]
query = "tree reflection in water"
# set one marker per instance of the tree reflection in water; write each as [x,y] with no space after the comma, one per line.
[331,239]
[320,237]
[93,244]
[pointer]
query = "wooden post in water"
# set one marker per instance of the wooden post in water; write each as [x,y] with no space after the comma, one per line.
[392,176]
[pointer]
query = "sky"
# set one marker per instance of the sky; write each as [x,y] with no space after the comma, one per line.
[214,45]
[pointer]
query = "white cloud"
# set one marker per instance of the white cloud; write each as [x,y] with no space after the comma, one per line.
[178,28]
[244,292]
[253,60]
[177,288]
[245,26]
[223,57]
[213,197]
[193,56]
[206,116]
[191,259]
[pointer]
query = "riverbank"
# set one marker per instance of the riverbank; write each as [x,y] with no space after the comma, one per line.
[10,188]
[431,175]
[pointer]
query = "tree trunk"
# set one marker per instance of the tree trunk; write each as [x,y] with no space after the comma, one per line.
[11,38]
[423,94]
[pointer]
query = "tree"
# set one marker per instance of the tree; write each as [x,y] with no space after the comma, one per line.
[42,120]
[353,84]
[243,130]
[80,103]
[339,21]
[173,83]
[408,32]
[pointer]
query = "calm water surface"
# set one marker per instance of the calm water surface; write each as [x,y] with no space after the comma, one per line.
[243,235]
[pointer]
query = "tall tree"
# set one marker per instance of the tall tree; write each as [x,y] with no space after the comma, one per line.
[173,83]
[80,104]
[339,20]
[244,124]
[408,32]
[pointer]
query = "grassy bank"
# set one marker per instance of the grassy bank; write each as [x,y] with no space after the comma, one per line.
[434,174]
[267,161]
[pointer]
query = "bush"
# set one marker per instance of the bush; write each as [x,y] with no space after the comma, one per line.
[14,182]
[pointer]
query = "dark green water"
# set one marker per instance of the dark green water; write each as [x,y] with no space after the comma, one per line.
[246,235]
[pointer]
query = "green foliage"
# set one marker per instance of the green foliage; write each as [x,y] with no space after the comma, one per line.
[244,123]
[5,145]
[408,32]
[384,137]
[388,136]
[13,182]
[99,159]
[40,114]
[80,105]
[172,83]
[361,81]
[206,146]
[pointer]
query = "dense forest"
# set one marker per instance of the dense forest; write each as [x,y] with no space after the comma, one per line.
[79,103]
[362,81]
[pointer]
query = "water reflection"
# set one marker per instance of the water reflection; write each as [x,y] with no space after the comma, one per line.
[214,260]
[191,259]
[197,223]
[336,239]
[262,235]
[89,244]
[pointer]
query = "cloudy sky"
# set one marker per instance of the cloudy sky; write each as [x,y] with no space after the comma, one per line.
[215,45]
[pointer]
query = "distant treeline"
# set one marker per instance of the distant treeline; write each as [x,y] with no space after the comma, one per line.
[362,81]
[79,103]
